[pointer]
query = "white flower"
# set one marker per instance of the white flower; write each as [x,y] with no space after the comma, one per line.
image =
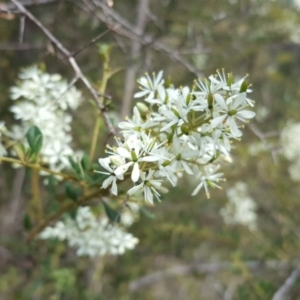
[91,236]
[135,152]
[227,114]
[149,186]
[241,208]
[135,125]
[208,177]
[149,86]
[112,179]
[290,140]
[181,131]
[41,100]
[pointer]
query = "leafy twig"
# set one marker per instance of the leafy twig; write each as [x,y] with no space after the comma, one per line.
[72,62]
[59,213]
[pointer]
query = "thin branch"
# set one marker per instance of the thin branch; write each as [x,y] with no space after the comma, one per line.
[91,42]
[22,29]
[21,47]
[135,53]
[37,167]
[72,62]
[201,268]
[10,8]
[263,137]
[110,17]
[59,213]
[285,289]
[73,81]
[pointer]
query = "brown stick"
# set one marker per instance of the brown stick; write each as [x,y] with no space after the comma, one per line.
[59,213]
[111,18]
[285,289]
[72,62]
[131,71]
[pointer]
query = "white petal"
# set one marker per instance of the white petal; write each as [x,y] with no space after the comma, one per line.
[134,189]
[135,175]
[220,100]
[216,121]
[197,189]
[140,94]
[245,114]
[114,188]
[107,181]
[122,169]
[149,158]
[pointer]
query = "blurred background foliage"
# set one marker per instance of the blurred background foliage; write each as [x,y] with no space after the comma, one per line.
[219,261]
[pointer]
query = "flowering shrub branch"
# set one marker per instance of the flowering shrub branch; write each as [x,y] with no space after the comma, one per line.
[175,131]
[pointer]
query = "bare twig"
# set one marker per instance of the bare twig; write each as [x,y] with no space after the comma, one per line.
[10,8]
[263,137]
[91,42]
[14,208]
[73,81]
[59,213]
[21,47]
[72,62]
[285,289]
[37,167]
[201,268]
[110,17]
[135,53]
[22,29]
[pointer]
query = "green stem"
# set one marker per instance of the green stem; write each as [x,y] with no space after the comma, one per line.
[36,201]
[95,137]
[37,167]
[62,210]
[105,77]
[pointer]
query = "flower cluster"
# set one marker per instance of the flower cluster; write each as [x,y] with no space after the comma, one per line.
[240,209]
[91,236]
[129,214]
[290,140]
[177,131]
[42,99]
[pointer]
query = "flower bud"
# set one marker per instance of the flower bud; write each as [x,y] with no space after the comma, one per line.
[133,155]
[230,79]
[210,100]
[185,128]
[166,163]
[244,86]
[232,112]
[143,109]
[176,113]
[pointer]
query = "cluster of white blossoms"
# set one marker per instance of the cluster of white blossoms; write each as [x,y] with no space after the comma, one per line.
[130,213]
[41,99]
[290,142]
[91,236]
[240,209]
[177,131]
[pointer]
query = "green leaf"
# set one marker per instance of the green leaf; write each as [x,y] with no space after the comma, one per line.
[72,192]
[147,213]
[75,167]
[72,213]
[35,140]
[113,215]
[85,162]
[26,222]
[104,51]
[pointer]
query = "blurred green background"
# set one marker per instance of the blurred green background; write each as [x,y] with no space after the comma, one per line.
[187,251]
